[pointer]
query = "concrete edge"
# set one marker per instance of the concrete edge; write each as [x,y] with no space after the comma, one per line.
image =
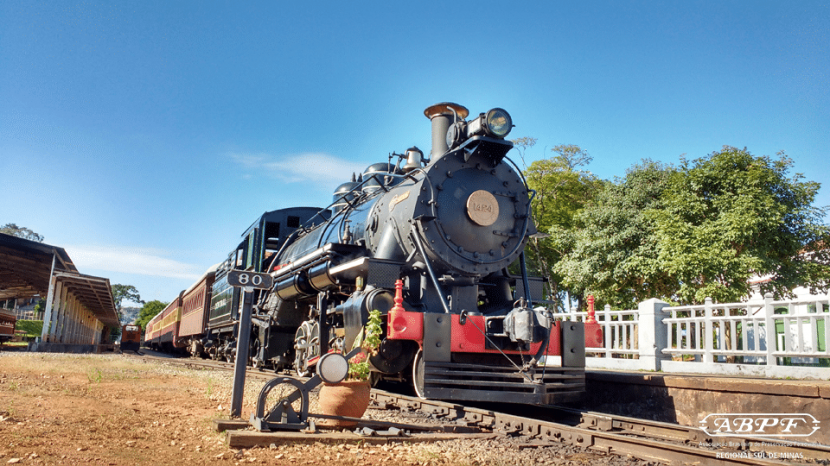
[799,388]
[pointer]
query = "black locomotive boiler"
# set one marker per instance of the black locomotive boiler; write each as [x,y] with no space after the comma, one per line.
[447,227]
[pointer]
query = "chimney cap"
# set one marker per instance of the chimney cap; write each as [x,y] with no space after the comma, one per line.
[442,109]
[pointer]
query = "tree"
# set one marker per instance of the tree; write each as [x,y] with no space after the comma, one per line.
[21,232]
[122,292]
[612,248]
[731,216]
[148,311]
[40,306]
[562,190]
[522,145]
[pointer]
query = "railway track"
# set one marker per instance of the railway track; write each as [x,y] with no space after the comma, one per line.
[610,434]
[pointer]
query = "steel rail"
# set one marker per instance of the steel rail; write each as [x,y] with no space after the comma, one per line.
[692,435]
[600,436]
[611,434]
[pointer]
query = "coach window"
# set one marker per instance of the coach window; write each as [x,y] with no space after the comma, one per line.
[270,242]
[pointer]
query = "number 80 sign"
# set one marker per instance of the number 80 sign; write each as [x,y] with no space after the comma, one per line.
[250,279]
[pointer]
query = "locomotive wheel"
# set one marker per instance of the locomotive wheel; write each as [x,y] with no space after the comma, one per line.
[194,349]
[304,348]
[418,374]
[300,344]
[374,379]
[314,342]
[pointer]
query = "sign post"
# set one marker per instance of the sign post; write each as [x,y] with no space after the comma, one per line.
[247,281]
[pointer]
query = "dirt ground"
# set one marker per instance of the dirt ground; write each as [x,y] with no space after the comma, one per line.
[121,410]
[115,410]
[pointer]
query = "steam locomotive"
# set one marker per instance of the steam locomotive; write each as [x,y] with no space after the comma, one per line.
[446,229]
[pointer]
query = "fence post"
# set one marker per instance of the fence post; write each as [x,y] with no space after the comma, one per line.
[771,336]
[608,333]
[708,346]
[652,334]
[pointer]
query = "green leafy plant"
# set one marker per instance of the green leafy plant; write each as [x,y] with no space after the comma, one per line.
[95,375]
[33,328]
[369,341]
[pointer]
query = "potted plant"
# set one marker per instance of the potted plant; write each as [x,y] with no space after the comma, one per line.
[350,398]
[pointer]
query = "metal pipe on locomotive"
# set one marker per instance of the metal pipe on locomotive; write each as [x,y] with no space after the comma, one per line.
[447,228]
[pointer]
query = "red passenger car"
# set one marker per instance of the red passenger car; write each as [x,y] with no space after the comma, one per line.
[195,310]
[165,326]
[150,332]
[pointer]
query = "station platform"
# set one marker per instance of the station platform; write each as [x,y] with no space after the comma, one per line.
[46,347]
[687,399]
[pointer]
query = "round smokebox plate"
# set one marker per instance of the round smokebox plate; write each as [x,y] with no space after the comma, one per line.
[483,208]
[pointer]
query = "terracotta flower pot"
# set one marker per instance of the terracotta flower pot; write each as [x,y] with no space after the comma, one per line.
[349,398]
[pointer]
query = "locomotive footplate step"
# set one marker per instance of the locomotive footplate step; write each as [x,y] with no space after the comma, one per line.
[475,382]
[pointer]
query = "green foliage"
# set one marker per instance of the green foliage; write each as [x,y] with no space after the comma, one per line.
[373,332]
[359,367]
[148,311]
[369,340]
[122,292]
[611,249]
[731,216]
[33,328]
[40,306]
[562,190]
[21,232]
[701,230]
[522,145]
[94,375]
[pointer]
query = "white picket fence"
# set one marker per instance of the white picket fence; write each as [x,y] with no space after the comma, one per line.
[656,337]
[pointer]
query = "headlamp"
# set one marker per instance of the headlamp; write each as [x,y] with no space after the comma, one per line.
[498,123]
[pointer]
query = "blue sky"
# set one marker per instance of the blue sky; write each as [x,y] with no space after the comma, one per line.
[144,137]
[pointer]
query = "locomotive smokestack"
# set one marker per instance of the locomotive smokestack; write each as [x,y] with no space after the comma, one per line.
[442,117]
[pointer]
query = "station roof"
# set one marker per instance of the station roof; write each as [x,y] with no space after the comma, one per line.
[94,292]
[25,267]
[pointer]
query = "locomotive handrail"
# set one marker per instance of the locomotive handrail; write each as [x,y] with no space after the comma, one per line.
[431,272]
[315,257]
[362,182]
[358,200]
